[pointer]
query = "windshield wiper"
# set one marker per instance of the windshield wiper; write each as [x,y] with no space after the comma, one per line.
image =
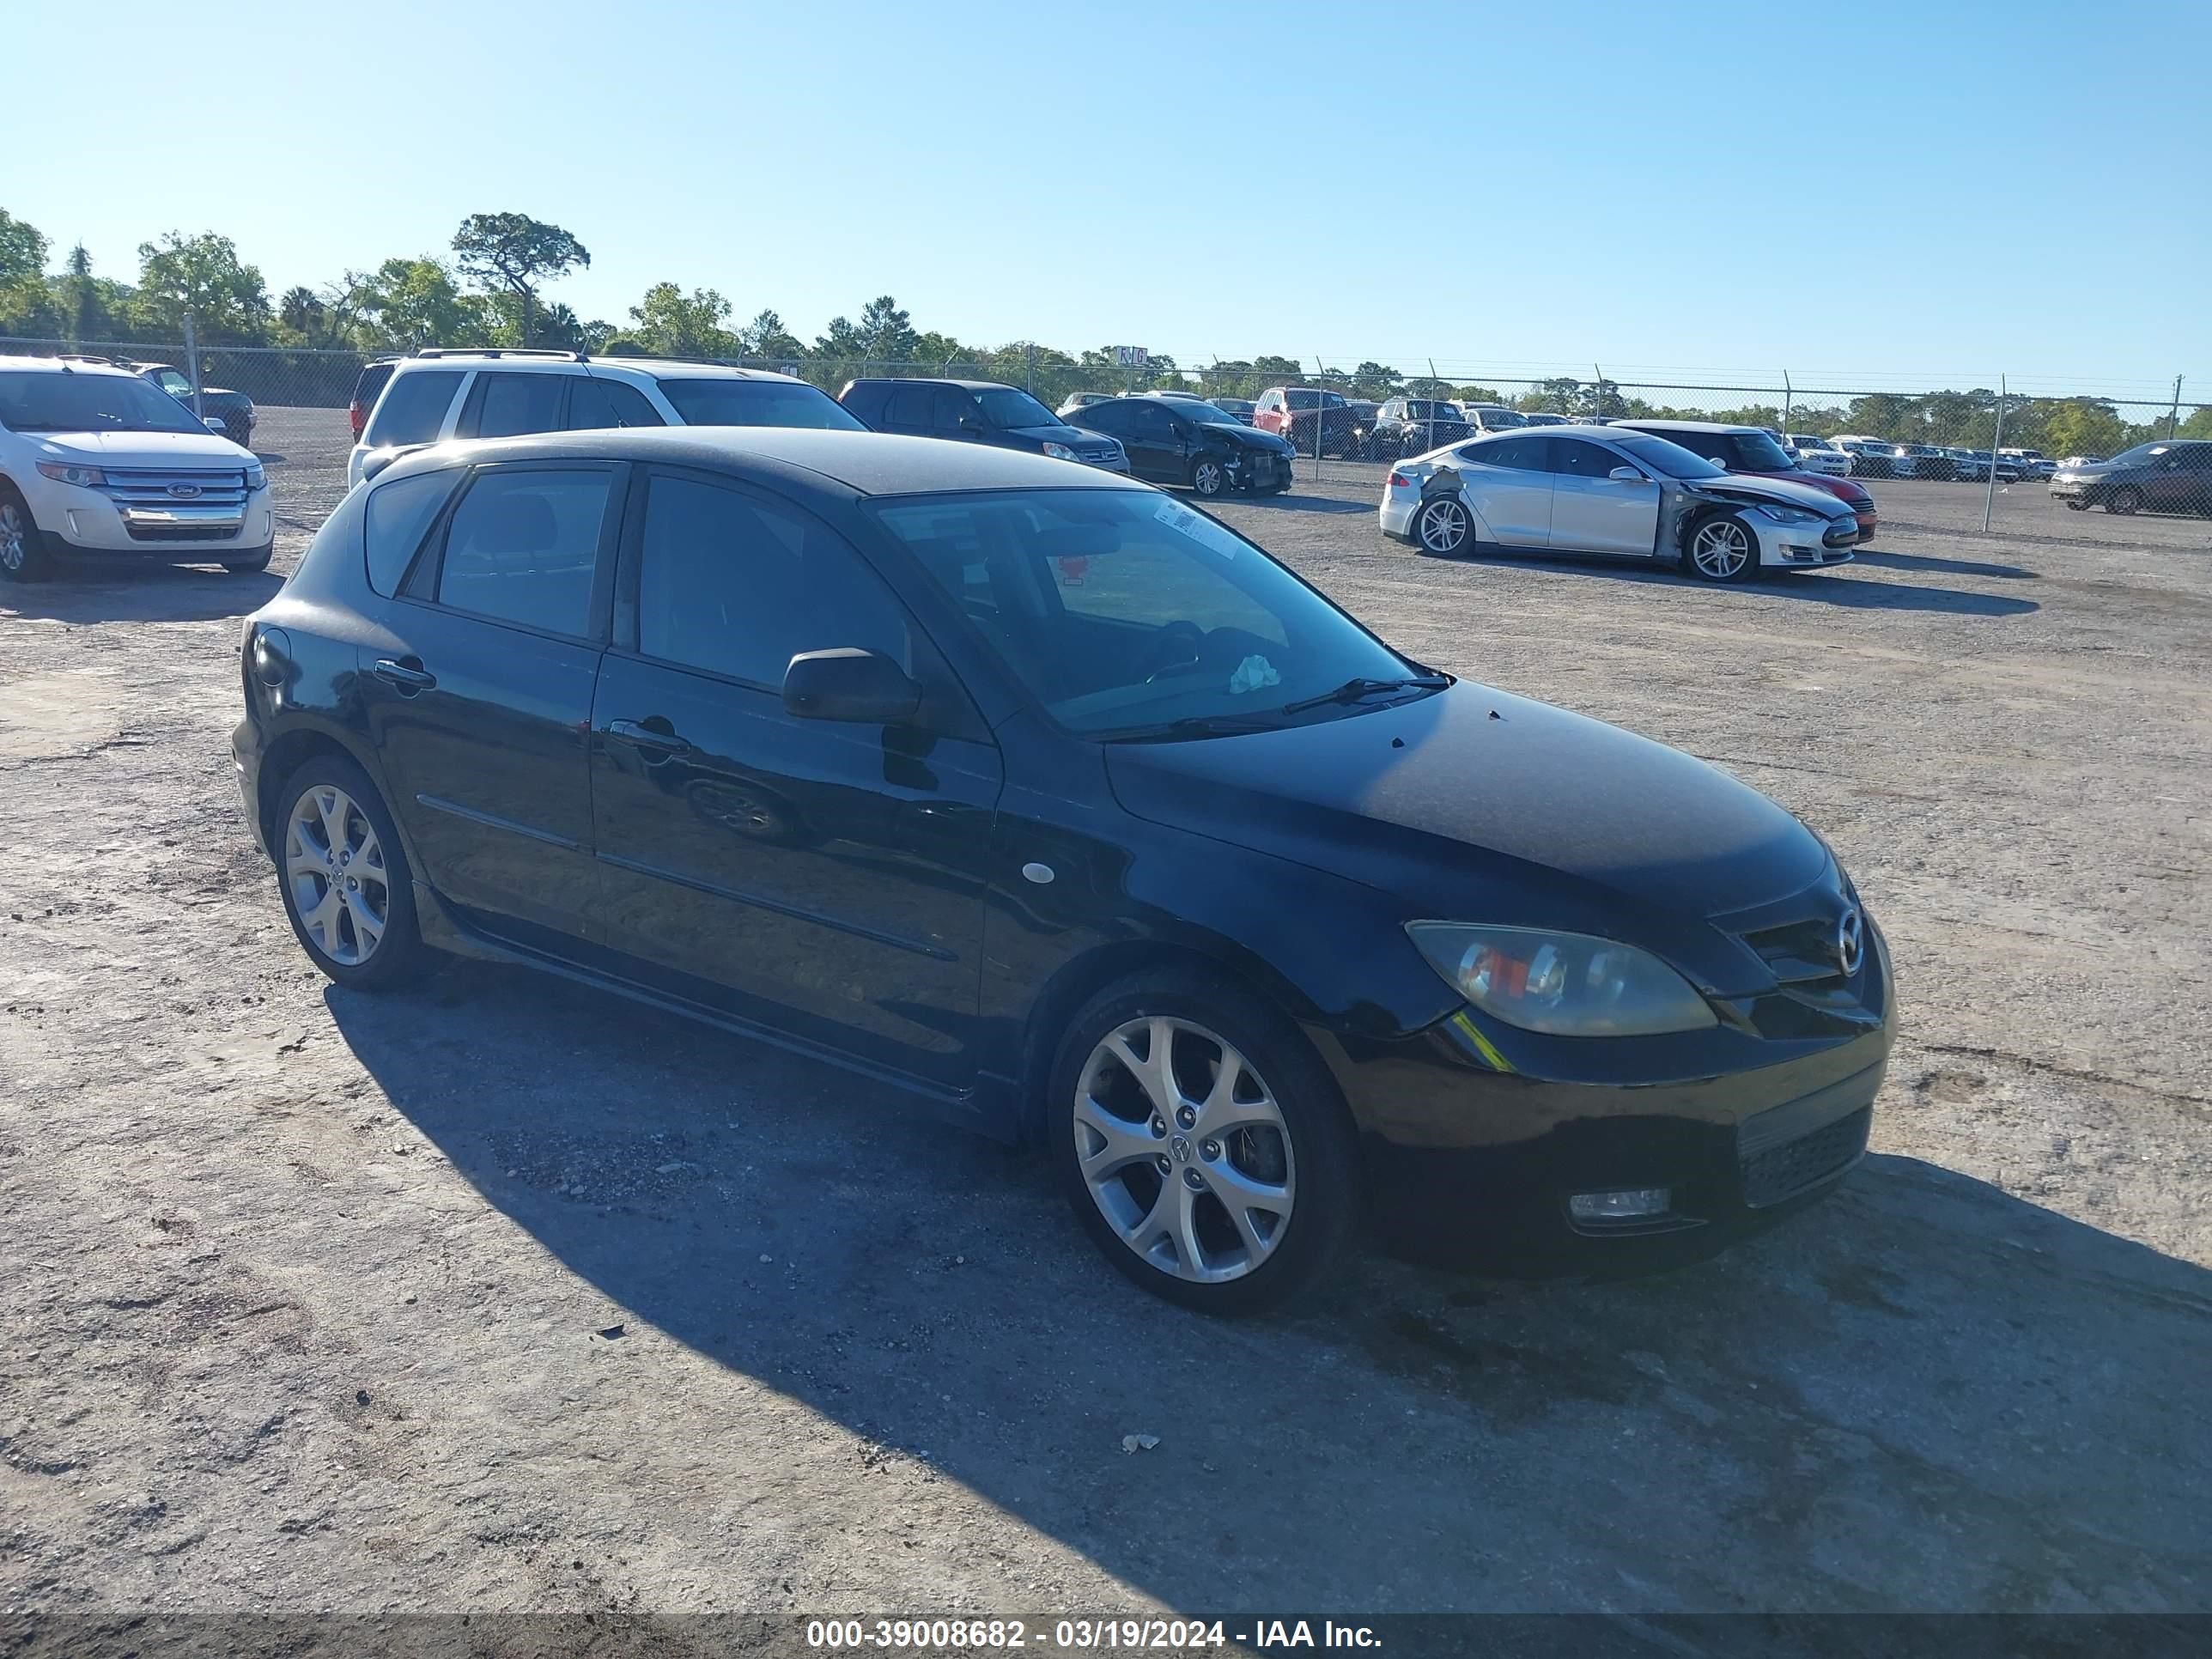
[1194,725]
[1354,690]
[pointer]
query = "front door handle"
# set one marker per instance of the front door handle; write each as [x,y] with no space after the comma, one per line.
[407,677]
[654,736]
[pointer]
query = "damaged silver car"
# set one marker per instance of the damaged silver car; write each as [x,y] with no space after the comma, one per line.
[1608,492]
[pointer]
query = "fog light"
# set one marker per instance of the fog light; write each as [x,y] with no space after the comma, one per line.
[1619,1207]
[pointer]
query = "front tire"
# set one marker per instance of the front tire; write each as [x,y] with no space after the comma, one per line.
[2126,501]
[1202,1144]
[1721,548]
[1208,477]
[345,880]
[23,556]
[246,567]
[239,433]
[1444,526]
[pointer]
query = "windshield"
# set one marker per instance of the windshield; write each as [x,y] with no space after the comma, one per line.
[756,402]
[1204,412]
[1497,417]
[33,400]
[1760,453]
[1124,611]
[2135,457]
[1007,408]
[1672,460]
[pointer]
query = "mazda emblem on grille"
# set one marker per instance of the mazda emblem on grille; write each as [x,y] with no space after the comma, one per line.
[1850,939]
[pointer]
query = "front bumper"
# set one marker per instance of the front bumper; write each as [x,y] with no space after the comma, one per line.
[2074,490]
[1477,1136]
[1786,546]
[74,520]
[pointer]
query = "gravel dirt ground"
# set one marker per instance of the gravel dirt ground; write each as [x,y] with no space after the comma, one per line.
[502,1295]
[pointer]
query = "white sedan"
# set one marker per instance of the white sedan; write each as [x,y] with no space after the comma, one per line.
[1819,455]
[1602,490]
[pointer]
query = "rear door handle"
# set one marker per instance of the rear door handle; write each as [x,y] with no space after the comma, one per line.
[407,677]
[658,744]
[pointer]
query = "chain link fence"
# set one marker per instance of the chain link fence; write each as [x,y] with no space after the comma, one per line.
[2006,442]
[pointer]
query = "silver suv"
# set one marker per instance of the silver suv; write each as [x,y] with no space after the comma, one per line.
[501,393]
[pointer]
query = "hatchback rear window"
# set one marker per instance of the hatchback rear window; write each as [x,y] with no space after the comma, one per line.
[413,408]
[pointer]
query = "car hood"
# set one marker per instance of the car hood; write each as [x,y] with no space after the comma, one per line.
[1475,804]
[1842,489]
[140,448]
[1757,486]
[2090,469]
[1058,434]
[1251,438]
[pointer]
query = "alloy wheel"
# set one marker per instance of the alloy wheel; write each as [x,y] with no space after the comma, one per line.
[334,867]
[1721,549]
[1444,525]
[14,538]
[1206,477]
[1184,1149]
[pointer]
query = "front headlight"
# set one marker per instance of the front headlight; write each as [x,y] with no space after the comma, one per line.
[1788,514]
[85,477]
[1060,452]
[1566,984]
[255,477]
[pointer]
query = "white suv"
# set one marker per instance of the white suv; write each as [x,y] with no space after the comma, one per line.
[93,460]
[503,392]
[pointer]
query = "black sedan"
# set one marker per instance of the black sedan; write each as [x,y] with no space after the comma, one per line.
[2168,476]
[1184,441]
[1069,814]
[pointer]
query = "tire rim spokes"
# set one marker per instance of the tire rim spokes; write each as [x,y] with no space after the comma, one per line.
[334,865]
[12,537]
[1184,1149]
[1721,549]
[1442,526]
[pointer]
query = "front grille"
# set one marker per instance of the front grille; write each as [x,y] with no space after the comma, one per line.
[1784,1171]
[182,532]
[1800,952]
[145,487]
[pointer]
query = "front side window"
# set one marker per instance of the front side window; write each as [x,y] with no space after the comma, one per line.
[1670,459]
[523,547]
[510,405]
[1123,612]
[400,513]
[733,585]
[906,409]
[1578,457]
[32,400]
[756,402]
[413,408]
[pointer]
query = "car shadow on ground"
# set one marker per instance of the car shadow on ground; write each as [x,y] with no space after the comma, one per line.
[1920,1392]
[1947,567]
[1302,503]
[1820,587]
[95,591]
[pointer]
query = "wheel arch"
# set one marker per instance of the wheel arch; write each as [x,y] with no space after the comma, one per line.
[292,748]
[1082,978]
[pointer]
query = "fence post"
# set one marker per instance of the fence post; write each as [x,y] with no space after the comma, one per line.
[192,366]
[1989,499]
[2173,421]
[1028,370]
[1789,401]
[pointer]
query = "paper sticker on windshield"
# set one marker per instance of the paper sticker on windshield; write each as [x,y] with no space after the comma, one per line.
[1215,538]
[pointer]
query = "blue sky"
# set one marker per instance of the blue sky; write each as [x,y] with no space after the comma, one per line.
[2018,187]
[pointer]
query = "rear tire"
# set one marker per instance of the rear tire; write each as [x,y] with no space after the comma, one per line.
[249,566]
[345,880]
[23,555]
[1286,1159]
[2124,501]
[1444,527]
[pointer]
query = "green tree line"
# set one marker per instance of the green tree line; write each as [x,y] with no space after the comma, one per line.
[487,289]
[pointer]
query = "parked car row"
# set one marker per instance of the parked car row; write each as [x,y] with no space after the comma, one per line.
[2165,476]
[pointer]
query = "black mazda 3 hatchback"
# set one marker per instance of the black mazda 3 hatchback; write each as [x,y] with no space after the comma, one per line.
[1066,810]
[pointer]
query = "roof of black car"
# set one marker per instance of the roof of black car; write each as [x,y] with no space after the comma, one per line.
[864,463]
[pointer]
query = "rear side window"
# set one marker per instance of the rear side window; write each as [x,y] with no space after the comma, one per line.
[908,409]
[400,515]
[523,547]
[737,587]
[1523,454]
[595,403]
[757,402]
[413,408]
[508,405]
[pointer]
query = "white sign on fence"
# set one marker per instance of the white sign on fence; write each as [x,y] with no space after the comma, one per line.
[1132,358]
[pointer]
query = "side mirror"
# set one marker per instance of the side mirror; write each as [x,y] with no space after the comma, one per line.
[849,684]
[1626,474]
[212,423]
